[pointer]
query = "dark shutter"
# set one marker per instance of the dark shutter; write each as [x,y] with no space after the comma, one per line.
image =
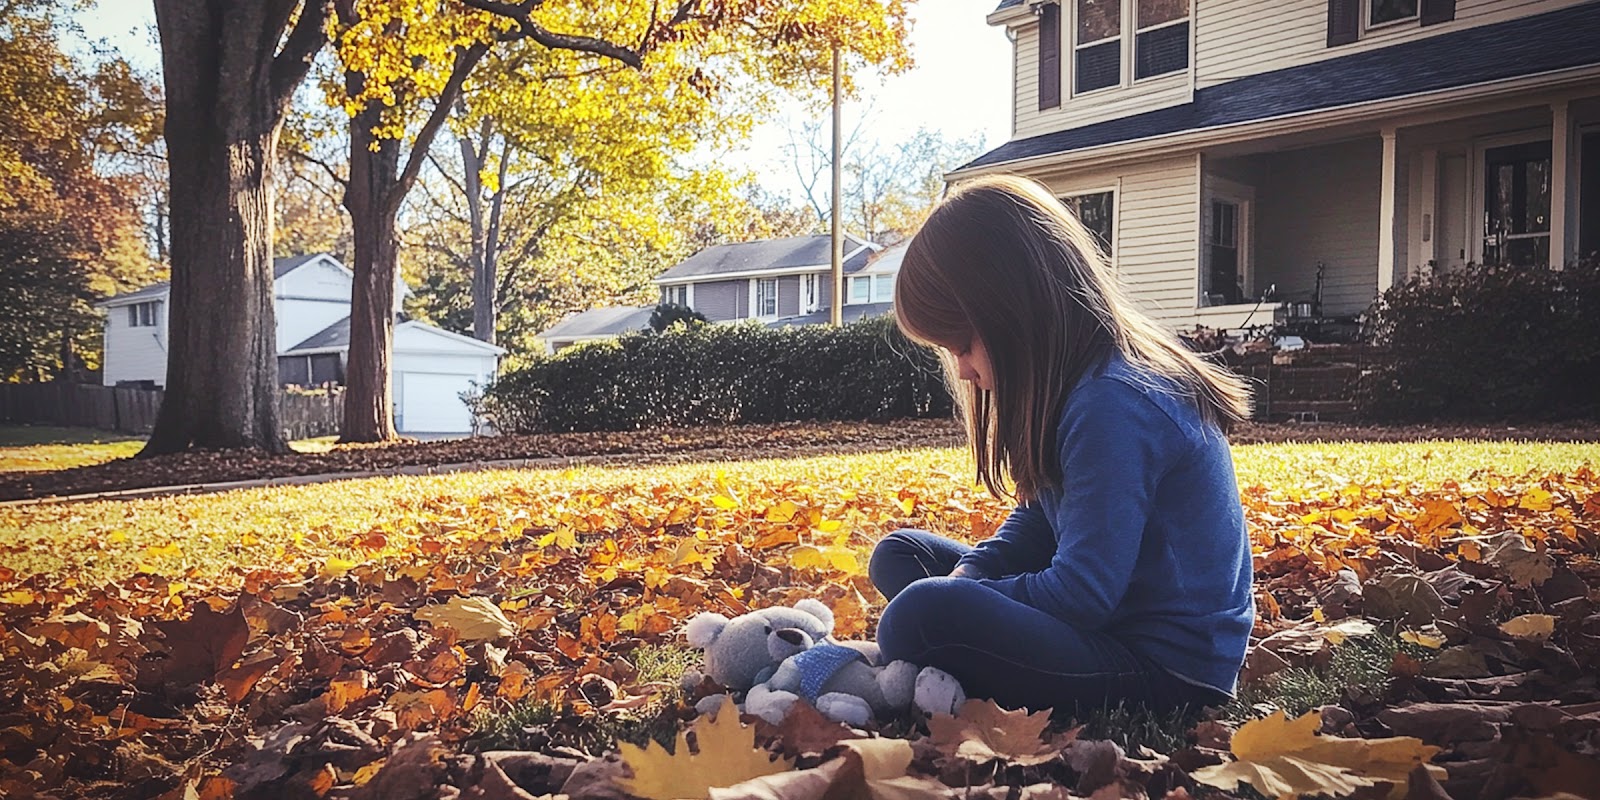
[1344,21]
[1049,56]
[1434,12]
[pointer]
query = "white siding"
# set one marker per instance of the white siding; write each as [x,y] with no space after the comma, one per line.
[1029,120]
[309,299]
[134,354]
[1157,232]
[1236,38]
[1321,204]
[421,351]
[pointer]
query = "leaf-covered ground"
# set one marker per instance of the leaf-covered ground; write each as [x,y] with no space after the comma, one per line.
[291,642]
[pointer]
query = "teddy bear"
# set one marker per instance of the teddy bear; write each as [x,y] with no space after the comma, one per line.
[779,655]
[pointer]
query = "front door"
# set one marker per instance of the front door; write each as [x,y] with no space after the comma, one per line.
[1516,205]
[1589,194]
[1450,251]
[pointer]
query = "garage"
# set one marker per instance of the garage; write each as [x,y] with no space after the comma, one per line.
[433,368]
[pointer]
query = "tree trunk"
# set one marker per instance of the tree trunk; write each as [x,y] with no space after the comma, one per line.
[224,106]
[374,177]
[478,255]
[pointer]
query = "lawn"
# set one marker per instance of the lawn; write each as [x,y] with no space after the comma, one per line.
[43,448]
[596,568]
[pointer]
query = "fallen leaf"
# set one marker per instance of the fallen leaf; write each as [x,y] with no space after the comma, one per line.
[475,619]
[981,731]
[727,755]
[1532,627]
[1285,758]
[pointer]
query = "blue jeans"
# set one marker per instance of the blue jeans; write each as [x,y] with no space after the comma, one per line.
[998,648]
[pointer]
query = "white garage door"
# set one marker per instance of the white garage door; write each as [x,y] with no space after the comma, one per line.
[431,403]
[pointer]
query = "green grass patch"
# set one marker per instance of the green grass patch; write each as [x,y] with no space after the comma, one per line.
[34,448]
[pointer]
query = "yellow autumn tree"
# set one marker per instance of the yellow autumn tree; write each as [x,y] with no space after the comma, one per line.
[406,64]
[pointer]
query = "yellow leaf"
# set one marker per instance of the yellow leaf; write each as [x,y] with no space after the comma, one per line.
[830,525]
[1533,627]
[842,560]
[1537,499]
[807,557]
[724,502]
[335,567]
[1437,514]
[163,551]
[727,755]
[1422,639]
[907,504]
[365,773]
[117,537]
[1285,759]
[1353,628]
[20,597]
[783,511]
[476,619]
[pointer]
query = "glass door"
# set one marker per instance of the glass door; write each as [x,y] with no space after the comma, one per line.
[1516,205]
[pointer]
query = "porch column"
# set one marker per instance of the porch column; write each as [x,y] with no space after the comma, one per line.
[1386,212]
[1560,160]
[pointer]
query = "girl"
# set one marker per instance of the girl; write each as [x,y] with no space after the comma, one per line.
[1124,572]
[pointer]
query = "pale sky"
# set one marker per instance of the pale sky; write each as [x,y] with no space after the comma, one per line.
[960,85]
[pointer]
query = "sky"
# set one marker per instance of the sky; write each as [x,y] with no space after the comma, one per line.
[960,85]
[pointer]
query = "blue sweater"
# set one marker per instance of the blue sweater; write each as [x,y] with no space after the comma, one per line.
[1145,539]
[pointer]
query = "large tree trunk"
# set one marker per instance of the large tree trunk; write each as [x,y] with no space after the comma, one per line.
[226,95]
[374,176]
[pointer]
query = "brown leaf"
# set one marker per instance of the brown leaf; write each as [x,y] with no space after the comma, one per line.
[195,649]
[981,732]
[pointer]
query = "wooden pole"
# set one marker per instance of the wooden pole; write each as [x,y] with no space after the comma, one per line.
[836,308]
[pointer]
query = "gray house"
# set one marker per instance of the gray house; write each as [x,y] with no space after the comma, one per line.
[775,281]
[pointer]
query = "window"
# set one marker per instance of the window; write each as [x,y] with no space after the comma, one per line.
[1383,12]
[1094,210]
[678,295]
[767,297]
[1225,269]
[1516,205]
[1161,43]
[882,288]
[860,290]
[312,370]
[144,315]
[1097,54]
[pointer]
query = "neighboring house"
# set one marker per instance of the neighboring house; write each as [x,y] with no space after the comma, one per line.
[311,303]
[1222,147]
[775,281]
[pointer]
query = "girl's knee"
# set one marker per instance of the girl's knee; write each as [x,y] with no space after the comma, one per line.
[923,615]
[889,554]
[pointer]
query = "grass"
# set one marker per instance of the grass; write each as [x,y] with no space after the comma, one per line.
[298,526]
[42,448]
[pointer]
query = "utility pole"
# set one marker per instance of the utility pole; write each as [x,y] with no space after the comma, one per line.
[836,308]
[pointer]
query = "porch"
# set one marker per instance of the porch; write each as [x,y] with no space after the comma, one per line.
[1314,225]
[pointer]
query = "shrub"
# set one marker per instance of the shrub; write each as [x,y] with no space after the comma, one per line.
[1490,342]
[666,314]
[723,374]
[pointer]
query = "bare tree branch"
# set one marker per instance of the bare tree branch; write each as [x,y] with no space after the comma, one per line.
[527,28]
[292,63]
[465,61]
[307,158]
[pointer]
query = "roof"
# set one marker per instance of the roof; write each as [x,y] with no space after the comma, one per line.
[337,337]
[610,321]
[851,313]
[888,259]
[1557,40]
[280,268]
[333,337]
[767,254]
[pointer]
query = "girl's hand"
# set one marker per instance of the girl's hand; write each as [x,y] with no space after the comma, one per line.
[964,571]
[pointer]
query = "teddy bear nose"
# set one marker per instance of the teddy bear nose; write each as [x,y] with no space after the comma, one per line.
[792,636]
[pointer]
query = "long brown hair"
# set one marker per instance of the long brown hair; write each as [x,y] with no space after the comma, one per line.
[1002,261]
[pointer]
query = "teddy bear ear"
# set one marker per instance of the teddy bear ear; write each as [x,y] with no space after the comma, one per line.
[818,609]
[703,628]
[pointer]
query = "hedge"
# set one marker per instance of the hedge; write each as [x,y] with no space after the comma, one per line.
[1488,342]
[699,374]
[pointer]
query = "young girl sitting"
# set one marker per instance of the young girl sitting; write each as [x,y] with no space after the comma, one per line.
[1124,572]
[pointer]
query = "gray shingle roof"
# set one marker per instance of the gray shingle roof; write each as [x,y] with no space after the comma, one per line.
[795,251]
[851,313]
[280,268]
[336,335]
[611,321]
[1547,42]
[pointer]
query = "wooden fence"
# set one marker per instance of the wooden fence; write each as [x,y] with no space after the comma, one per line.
[129,410]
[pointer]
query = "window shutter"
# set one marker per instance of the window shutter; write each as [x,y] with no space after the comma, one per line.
[1434,12]
[1049,56]
[1344,21]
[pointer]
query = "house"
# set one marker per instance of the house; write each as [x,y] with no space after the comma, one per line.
[311,302]
[775,281]
[1241,158]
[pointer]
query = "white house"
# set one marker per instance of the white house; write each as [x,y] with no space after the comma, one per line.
[775,281]
[1324,149]
[311,301]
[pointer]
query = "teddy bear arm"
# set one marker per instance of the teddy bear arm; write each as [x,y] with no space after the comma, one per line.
[785,678]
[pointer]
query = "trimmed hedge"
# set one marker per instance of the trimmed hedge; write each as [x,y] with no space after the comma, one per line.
[701,374]
[1488,342]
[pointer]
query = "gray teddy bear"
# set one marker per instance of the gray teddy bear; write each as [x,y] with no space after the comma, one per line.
[779,655]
